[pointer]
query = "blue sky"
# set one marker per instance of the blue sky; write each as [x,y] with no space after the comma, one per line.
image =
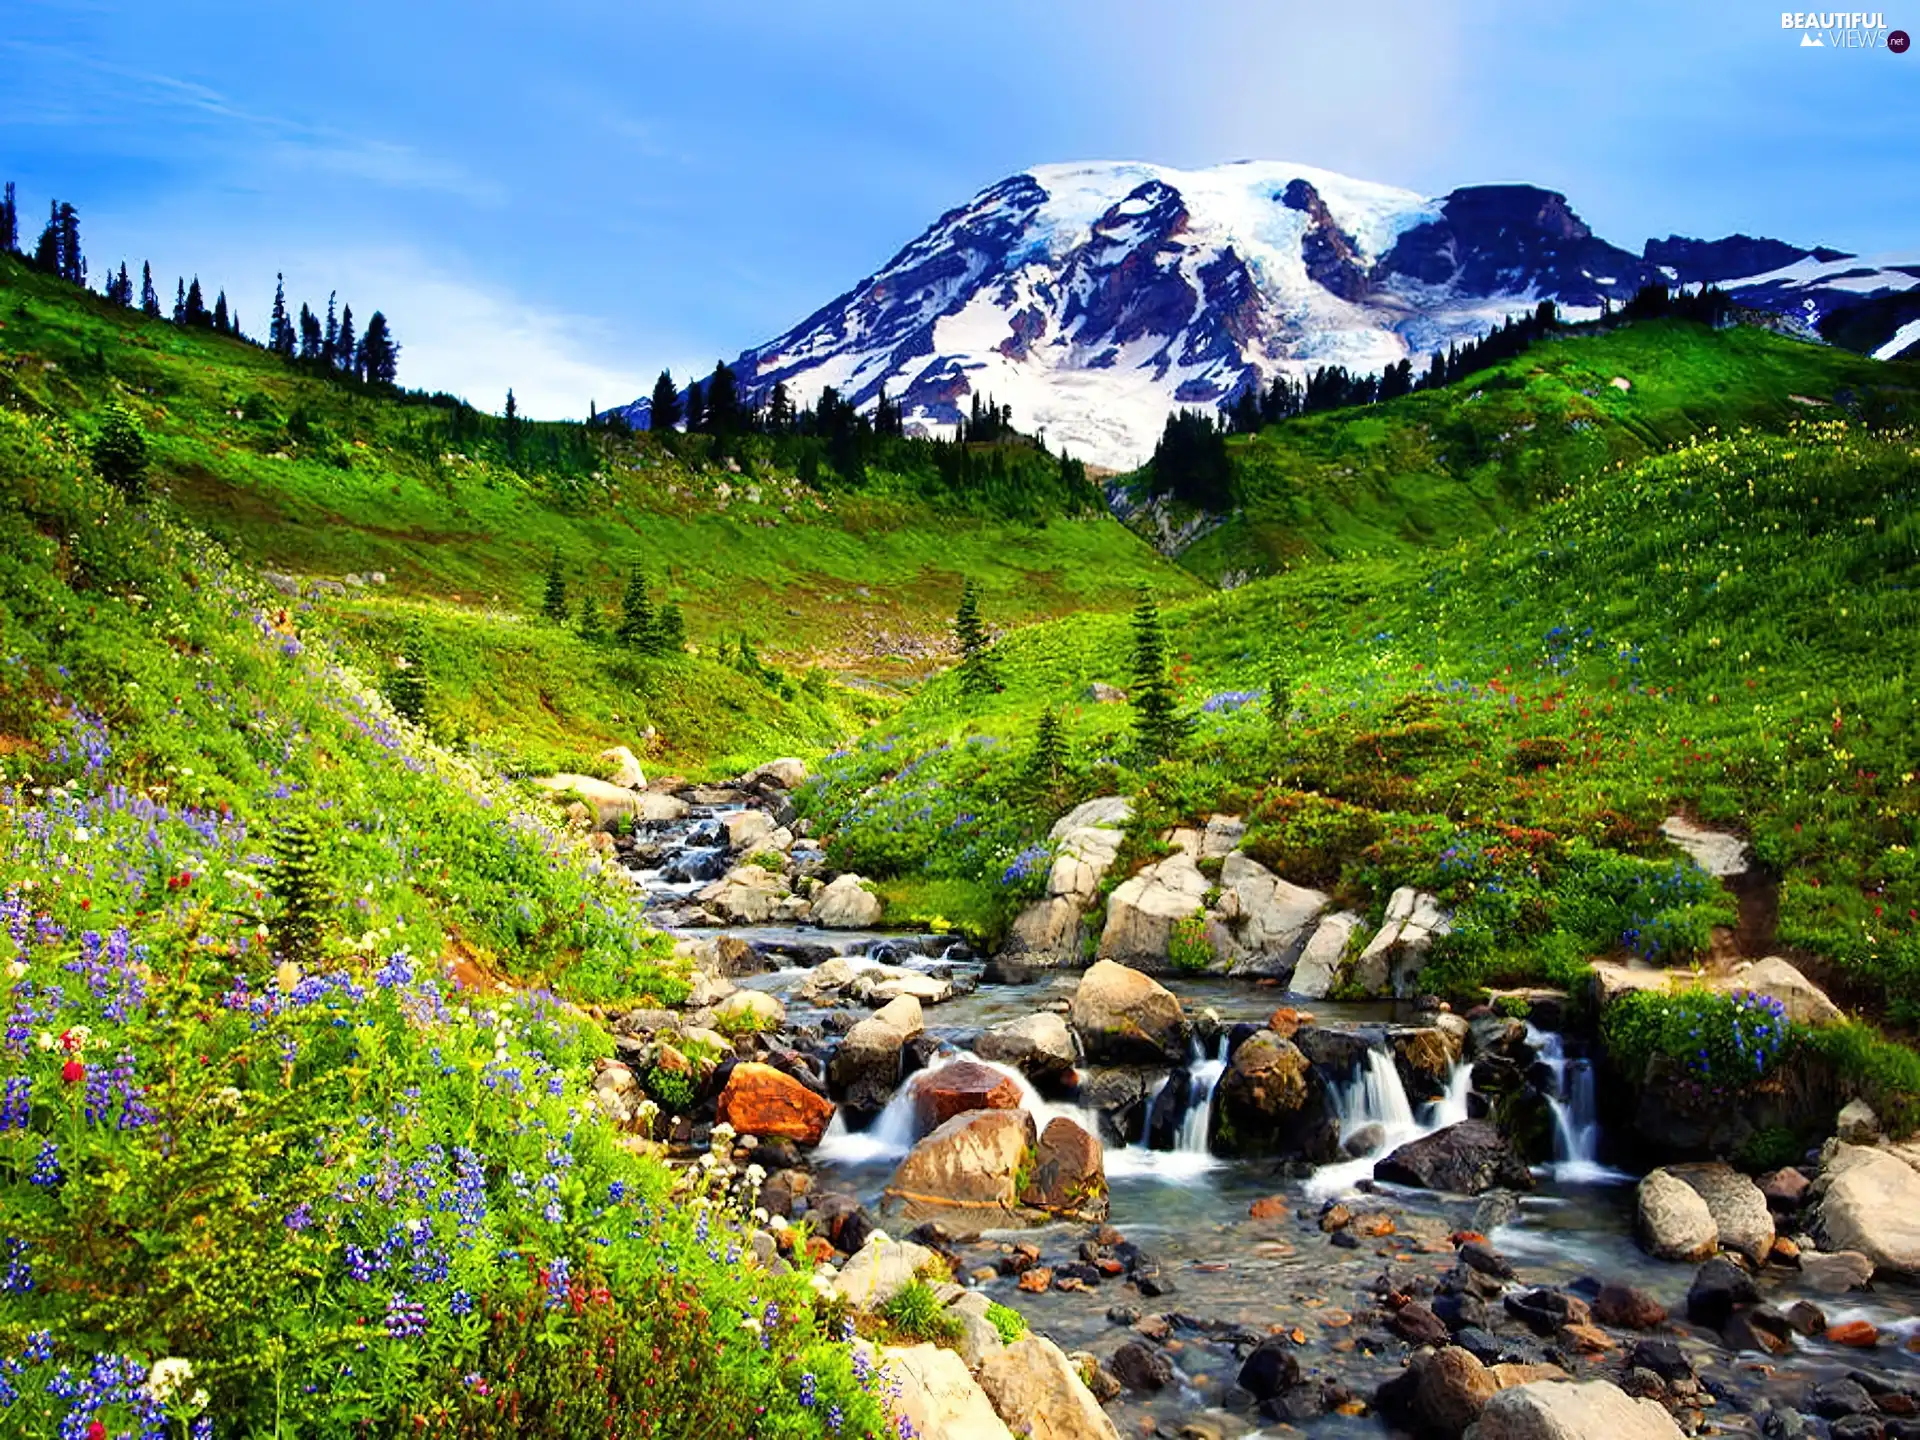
[565,197]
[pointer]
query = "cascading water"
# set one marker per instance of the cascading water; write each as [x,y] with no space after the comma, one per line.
[1374,1106]
[1576,1118]
[897,1127]
[1189,1153]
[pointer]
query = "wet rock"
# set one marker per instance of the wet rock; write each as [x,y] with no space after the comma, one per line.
[1672,1219]
[753,1007]
[1263,1095]
[1452,1387]
[956,1088]
[1858,1427]
[1871,1204]
[1143,1366]
[1783,1422]
[1855,1334]
[1545,1311]
[1463,1159]
[1392,962]
[1719,1288]
[1464,1311]
[1272,919]
[1741,1219]
[1339,1052]
[1785,1188]
[938,1395]
[1039,1046]
[760,1100]
[1857,1124]
[1037,1390]
[1626,1307]
[1085,841]
[1425,1057]
[1270,1369]
[1562,1410]
[1664,1358]
[847,904]
[1068,1174]
[1583,1339]
[1123,1016]
[1833,1399]
[1806,1317]
[966,1172]
[1762,1329]
[745,895]
[1416,1324]
[1318,968]
[1834,1272]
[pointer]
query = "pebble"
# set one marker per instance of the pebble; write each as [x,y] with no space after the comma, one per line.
[1036,1279]
[1858,1334]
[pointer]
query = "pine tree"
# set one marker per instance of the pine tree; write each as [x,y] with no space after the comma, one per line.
[123,287]
[120,453]
[977,675]
[696,408]
[345,346]
[9,223]
[309,333]
[592,625]
[379,358]
[73,264]
[330,339]
[1158,727]
[723,402]
[280,335]
[149,297]
[637,617]
[554,603]
[46,251]
[407,683]
[513,433]
[196,310]
[222,322]
[669,631]
[664,412]
[1279,696]
[180,300]
[780,415]
[302,890]
[1047,769]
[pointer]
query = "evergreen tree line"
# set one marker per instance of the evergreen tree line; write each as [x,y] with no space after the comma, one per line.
[644,626]
[332,346]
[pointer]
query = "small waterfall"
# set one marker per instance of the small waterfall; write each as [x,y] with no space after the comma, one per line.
[897,1127]
[1375,1097]
[1203,1075]
[1576,1112]
[1189,1153]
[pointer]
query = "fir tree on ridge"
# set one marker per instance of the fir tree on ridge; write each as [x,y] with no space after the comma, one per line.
[977,675]
[664,411]
[553,603]
[1158,728]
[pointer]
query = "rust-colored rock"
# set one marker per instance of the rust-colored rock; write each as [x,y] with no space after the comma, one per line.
[1037,1280]
[1585,1339]
[760,1100]
[1272,1207]
[1286,1021]
[1857,1333]
[965,1085]
[1069,1174]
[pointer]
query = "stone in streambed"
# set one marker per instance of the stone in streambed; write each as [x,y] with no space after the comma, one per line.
[966,1173]
[1742,1222]
[1035,1388]
[1039,1046]
[760,1100]
[1561,1410]
[1125,1017]
[1463,1159]
[1672,1219]
[956,1088]
[1067,1176]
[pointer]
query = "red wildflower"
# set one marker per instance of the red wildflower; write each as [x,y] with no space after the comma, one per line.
[73,1072]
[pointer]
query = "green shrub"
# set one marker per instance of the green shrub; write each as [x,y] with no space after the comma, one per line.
[1008,1322]
[1189,947]
[674,1089]
[915,1313]
[1725,1041]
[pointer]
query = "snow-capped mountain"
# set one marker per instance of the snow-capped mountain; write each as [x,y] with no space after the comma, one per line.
[1096,299]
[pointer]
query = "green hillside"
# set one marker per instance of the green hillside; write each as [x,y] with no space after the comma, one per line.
[1439,465]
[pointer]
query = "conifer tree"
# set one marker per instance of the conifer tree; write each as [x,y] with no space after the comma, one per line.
[513,434]
[280,335]
[46,251]
[664,411]
[1047,769]
[669,631]
[123,287]
[73,264]
[149,297]
[120,453]
[554,603]
[222,322]
[637,617]
[378,362]
[345,345]
[196,306]
[1158,727]
[696,408]
[9,223]
[976,664]
[407,684]
[309,333]
[723,402]
[180,300]
[302,890]
[330,339]
[1279,696]
[780,416]
[592,625]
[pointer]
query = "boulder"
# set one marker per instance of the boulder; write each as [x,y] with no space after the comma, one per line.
[955,1088]
[1270,1369]
[1320,963]
[847,904]
[903,1013]
[883,984]
[786,773]
[866,1067]
[1672,1219]
[1452,1389]
[1068,1175]
[1425,1057]
[1272,918]
[1719,1288]
[1870,1202]
[760,1100]
[1714,851]
[1562,1410]
[745,895]
[880,1269]
[1856,1123]
[967,1172]
[1267,1099]
[1047,932]
[938,1396]
[1101,693]
[1123,1016]
[1806,1003]
[625,768]
[1036,1390]
[617,1092]
[607,802]
[1834,1272]
[1739,1210]
[1463,1159]
[754,1008]
[1145,908]
[1222,837]
[748,830]
[1611,979]
[1627,1307]
[1039,1046]
[1085,841]
[1392,962]
[1142,1366]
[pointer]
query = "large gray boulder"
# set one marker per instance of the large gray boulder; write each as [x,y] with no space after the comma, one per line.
[610,802]
[1268,921]
[881,1269]
[1145,908]
[1086,839]
[1741,1217]
[1392,962]
[1462,1159]
[1318,970]
[745,895]
[847,904]
[1870,1202]
[1778,979]
[1039,1046]
[1562,1410]
[1673,1220]
[1036,1390]
[1125,1017]
[866,1068]
[937,1395]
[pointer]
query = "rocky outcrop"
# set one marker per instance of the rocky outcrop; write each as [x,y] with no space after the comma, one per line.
[866,1068]
[1741,1220]
[847,904]
[1806,1003]
[1037,1391]
[1266,920]
[760,1100]
[1124,1017]
[1323,957]
[745,895]
[609,802]
[1562,1410]
[786,773]
[1392,962]
[1270,1102]
[1462,1159]
[1672,1219]
[880,1269]
[871,984]
[1086,839]
[1067,1176]
[956,1088]
[1038,1046]
[1714,851]
[967,1172]
[1145,909]
[938,1396]
[623,768]
[1869,1201]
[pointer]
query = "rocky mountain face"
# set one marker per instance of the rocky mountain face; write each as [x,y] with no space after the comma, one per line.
[1097,299]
